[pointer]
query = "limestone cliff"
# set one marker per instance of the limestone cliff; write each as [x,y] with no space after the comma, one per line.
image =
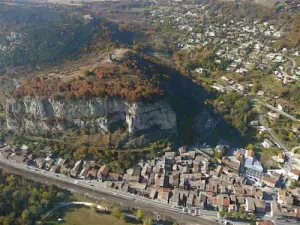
[38,116]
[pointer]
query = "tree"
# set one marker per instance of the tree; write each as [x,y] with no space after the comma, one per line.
[244,216]
[122,217]
[236,215]
[253,217]
[241,210]
[229,214]
[116,211]
[250,147]
[148,221]
[221,213]
[140,214]
[25,215]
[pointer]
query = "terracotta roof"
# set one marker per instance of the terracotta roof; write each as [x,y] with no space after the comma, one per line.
[296,172]
[269,180]
[265,223]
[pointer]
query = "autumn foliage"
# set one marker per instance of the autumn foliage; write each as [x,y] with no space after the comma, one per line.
[129,80]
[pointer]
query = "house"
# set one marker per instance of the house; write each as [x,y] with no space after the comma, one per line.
[232,163]
[265,223]
[56,168]
[146,170]
[260,206]
[183,149]
[135,171]
[77,168]
[49,163]
[253,164]
[135,187]
[17,158]
[85,168]
[174,199]
[174,180]
[283,198]
[161,180]
[219,170]
[279,158]
[295,128]
[92,174]
[267,143]
[270,182]
[273,115]
[203,201]
[275,210]
[294,174]
[113,177]
[249,206]
[40,163]
[153,193]
[163,195]
[190,201]
[103,171]
[170,155]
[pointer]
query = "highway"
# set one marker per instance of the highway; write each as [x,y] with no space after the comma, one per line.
[126,200]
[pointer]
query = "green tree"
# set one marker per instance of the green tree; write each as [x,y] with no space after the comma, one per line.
[221,213]
[229,214]
[140,214]
[250,147]
[123,217]
[241,210]
[253,217]
[25,215]
[148,221]
[236,215]
[116,211]
[244,216]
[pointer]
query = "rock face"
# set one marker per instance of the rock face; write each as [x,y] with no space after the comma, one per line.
[100,115]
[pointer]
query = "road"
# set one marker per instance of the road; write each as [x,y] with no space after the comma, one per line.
[107,194]
[288,163]
[274,109]
[273,136]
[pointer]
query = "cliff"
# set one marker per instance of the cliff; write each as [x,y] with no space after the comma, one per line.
[37,116]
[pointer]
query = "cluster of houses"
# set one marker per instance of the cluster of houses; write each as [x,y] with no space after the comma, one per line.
[187,179]
[245,45]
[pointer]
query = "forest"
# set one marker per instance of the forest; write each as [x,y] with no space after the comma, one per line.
[133,79]
[23,202]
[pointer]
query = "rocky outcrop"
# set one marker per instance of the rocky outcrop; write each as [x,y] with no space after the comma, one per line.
[100,115]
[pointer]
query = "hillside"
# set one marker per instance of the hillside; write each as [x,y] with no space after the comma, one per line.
[123,96]
[123,74]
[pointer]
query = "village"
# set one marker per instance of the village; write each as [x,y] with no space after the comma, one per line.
[244,45]
[230,181]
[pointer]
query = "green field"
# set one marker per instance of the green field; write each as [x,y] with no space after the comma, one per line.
[77,215]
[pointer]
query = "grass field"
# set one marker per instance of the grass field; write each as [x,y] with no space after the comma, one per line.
[83,216]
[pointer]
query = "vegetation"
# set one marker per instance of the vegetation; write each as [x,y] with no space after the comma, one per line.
[140,214]
[24,202]
[236,110]
[133,79]
[83,215]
